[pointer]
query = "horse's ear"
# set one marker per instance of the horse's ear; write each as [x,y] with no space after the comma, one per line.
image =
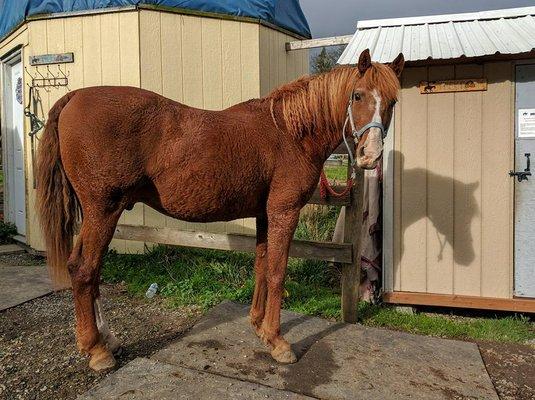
[365,61]
[398,64]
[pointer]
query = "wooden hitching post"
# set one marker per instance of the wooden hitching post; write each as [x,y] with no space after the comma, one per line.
[352,229]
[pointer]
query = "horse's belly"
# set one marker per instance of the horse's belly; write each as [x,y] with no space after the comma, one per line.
[208,203]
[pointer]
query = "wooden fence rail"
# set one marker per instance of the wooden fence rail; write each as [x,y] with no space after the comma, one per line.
[312,250]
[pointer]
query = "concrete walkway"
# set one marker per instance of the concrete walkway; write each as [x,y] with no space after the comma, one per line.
[19,284]
[221,358]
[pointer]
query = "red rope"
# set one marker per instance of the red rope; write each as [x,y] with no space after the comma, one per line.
[326,188]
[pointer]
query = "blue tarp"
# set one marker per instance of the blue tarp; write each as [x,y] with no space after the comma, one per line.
[284,13]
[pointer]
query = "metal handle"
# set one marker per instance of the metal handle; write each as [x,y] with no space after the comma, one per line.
[523,175]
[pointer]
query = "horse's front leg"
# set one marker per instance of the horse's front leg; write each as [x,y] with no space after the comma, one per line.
[281,228]
[260,267]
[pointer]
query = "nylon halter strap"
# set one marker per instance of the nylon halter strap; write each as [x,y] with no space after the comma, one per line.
[357,133]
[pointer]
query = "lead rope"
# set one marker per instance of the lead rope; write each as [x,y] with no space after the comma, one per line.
[326,188]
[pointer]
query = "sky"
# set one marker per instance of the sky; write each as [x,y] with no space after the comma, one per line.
[339,17]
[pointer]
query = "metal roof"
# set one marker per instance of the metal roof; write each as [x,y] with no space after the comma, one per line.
[441,37]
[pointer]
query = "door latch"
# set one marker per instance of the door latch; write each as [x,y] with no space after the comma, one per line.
[523,175]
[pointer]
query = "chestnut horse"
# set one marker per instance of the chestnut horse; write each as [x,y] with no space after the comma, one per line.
[106,148]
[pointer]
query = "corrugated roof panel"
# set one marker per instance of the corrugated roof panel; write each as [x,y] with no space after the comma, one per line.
[527,35]
[396,43]
[485,45]
[445,37]
[527,26]
[388,34]
[464,34]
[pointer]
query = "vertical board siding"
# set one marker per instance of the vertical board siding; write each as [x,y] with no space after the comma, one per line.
[398,170]
[278,66]
[452,195]
[440,186]
[414,183]
[37,44]
[467,176]
[106,51]
[498,154]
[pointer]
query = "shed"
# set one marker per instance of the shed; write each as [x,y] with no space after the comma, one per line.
[206,54]
[458,226]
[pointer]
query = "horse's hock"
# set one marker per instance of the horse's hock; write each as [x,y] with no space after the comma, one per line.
[222,358]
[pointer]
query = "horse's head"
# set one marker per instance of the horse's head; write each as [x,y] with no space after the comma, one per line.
[371,105]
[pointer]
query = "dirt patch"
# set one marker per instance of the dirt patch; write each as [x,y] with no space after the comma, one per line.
[511,368]
[38,355]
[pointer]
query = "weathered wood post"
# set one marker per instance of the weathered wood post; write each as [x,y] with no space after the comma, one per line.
[352,229]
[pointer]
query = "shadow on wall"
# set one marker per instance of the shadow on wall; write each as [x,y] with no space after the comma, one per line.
[454,207]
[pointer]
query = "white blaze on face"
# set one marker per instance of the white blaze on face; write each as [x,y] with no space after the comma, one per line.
[105,333]
[373,147]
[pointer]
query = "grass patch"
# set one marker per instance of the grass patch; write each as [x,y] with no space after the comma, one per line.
[206,277]
[500,329]
[336,172]
[7,231]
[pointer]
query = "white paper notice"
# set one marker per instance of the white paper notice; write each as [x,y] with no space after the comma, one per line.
[526,123]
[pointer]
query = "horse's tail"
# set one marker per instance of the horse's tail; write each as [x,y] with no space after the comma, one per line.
[57,204]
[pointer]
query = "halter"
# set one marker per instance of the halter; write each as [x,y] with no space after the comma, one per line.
[357,134]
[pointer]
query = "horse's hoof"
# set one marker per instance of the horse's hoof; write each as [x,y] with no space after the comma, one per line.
[283,355]
[102,361]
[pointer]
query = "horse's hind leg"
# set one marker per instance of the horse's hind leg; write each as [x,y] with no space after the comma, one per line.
[84,268]
[260,267]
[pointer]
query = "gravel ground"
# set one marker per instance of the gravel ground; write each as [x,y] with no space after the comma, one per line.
[38,355]
[512,369]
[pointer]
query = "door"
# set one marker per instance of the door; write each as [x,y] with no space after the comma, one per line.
[14,174]
[524,183]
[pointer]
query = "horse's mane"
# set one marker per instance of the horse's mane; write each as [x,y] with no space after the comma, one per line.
[319,102]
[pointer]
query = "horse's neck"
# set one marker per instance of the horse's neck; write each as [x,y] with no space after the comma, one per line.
[318,145]
[321,145]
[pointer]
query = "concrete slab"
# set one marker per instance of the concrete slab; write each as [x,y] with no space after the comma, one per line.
[148,379]
[10,249]
[336,361]
[21,284]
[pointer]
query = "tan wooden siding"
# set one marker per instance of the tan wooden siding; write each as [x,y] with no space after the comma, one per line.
[278,66]
[452,194]
[106,51]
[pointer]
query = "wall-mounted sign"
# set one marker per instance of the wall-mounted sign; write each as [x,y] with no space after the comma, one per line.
[44,59]
[526,123]
[455,85]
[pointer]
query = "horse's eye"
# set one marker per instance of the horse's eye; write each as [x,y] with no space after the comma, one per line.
[393,103]
[356,96]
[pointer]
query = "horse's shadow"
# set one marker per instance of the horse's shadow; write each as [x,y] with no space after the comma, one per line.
[448,204]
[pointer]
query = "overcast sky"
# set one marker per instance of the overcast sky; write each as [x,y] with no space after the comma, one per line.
[339,17]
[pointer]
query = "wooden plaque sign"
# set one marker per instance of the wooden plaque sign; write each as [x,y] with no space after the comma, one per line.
[456,85]
[44,59]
